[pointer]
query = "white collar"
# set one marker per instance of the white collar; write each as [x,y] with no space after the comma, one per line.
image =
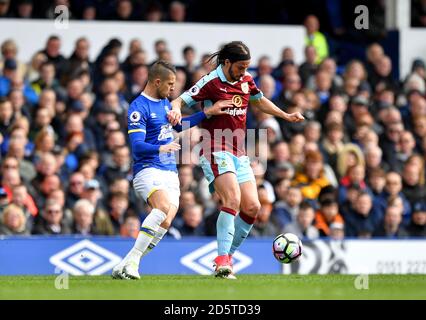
[149,97]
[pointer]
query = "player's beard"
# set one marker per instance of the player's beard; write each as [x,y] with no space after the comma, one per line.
[232,75]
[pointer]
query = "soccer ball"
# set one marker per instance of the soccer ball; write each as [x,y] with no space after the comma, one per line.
[287,248]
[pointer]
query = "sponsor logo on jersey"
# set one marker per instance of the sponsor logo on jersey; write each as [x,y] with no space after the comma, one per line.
[245,87]
[153,115]
[237,101]
[166,132]
[236,111]
[135,116]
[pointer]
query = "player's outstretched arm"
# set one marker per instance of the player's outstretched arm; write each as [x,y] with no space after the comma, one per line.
[195,119]
[267,106]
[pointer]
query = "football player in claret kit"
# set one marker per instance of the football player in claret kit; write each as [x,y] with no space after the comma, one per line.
[154,163]
[224,161]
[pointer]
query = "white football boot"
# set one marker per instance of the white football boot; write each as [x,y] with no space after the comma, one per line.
[131,270]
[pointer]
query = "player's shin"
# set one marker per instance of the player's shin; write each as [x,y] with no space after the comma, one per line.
[148,231]
[157,238]
[243,225]
[225,230]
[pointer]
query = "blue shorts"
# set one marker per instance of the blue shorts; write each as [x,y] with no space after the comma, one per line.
[223,162]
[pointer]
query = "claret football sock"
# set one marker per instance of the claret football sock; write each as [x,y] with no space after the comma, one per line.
[225,230]
[243,225]
[148,230]
[157,238]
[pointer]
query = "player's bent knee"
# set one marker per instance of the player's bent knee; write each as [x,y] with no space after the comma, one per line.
[252,209]
[232,203]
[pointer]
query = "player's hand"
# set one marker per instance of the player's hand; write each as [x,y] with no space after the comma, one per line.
[295,117]
[218,108]
[174,116]
[171,147]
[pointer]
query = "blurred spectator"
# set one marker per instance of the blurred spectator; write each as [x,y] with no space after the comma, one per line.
[177,11]
[6,115]
[327,214]
[154,12]
[417,226]
[124,10]
[355,175]
[25,201]
[83,212]
[192,221]
[393,188]
[89,12]
[391,226]
[120,167]
[52,221]
[130,227]
[4,200]
[4,8]
[376,181]
[9,51]
[309,66]
[315,38]
[418,13]
[302,226]
[13,221]
[25,9]
[362,220]
[350,155]
[118,209]
[75,189]
[33,68]
[337,231]
[286,211]
[52,51]
[413,183]
[311,177]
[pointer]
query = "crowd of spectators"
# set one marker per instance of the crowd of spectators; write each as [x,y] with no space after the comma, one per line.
[354,168]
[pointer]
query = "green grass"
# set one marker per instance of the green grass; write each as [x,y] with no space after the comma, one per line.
[178,287]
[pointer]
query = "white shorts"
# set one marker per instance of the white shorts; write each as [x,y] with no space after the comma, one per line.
[149,180]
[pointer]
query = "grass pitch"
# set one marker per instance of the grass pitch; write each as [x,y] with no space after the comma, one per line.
[182,287]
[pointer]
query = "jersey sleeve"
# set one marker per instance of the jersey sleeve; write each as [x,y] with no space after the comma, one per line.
[136,129]
[198,92]
[255,92]
[136,119]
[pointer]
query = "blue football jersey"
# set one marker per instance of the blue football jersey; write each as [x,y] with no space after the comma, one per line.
[148,115]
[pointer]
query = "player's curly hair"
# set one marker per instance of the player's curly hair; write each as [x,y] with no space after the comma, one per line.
[233,51]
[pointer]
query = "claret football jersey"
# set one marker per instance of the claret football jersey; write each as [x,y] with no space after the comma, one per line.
[224,132]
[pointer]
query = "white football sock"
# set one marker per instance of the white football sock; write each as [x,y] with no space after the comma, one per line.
[149,229]
[157,238]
